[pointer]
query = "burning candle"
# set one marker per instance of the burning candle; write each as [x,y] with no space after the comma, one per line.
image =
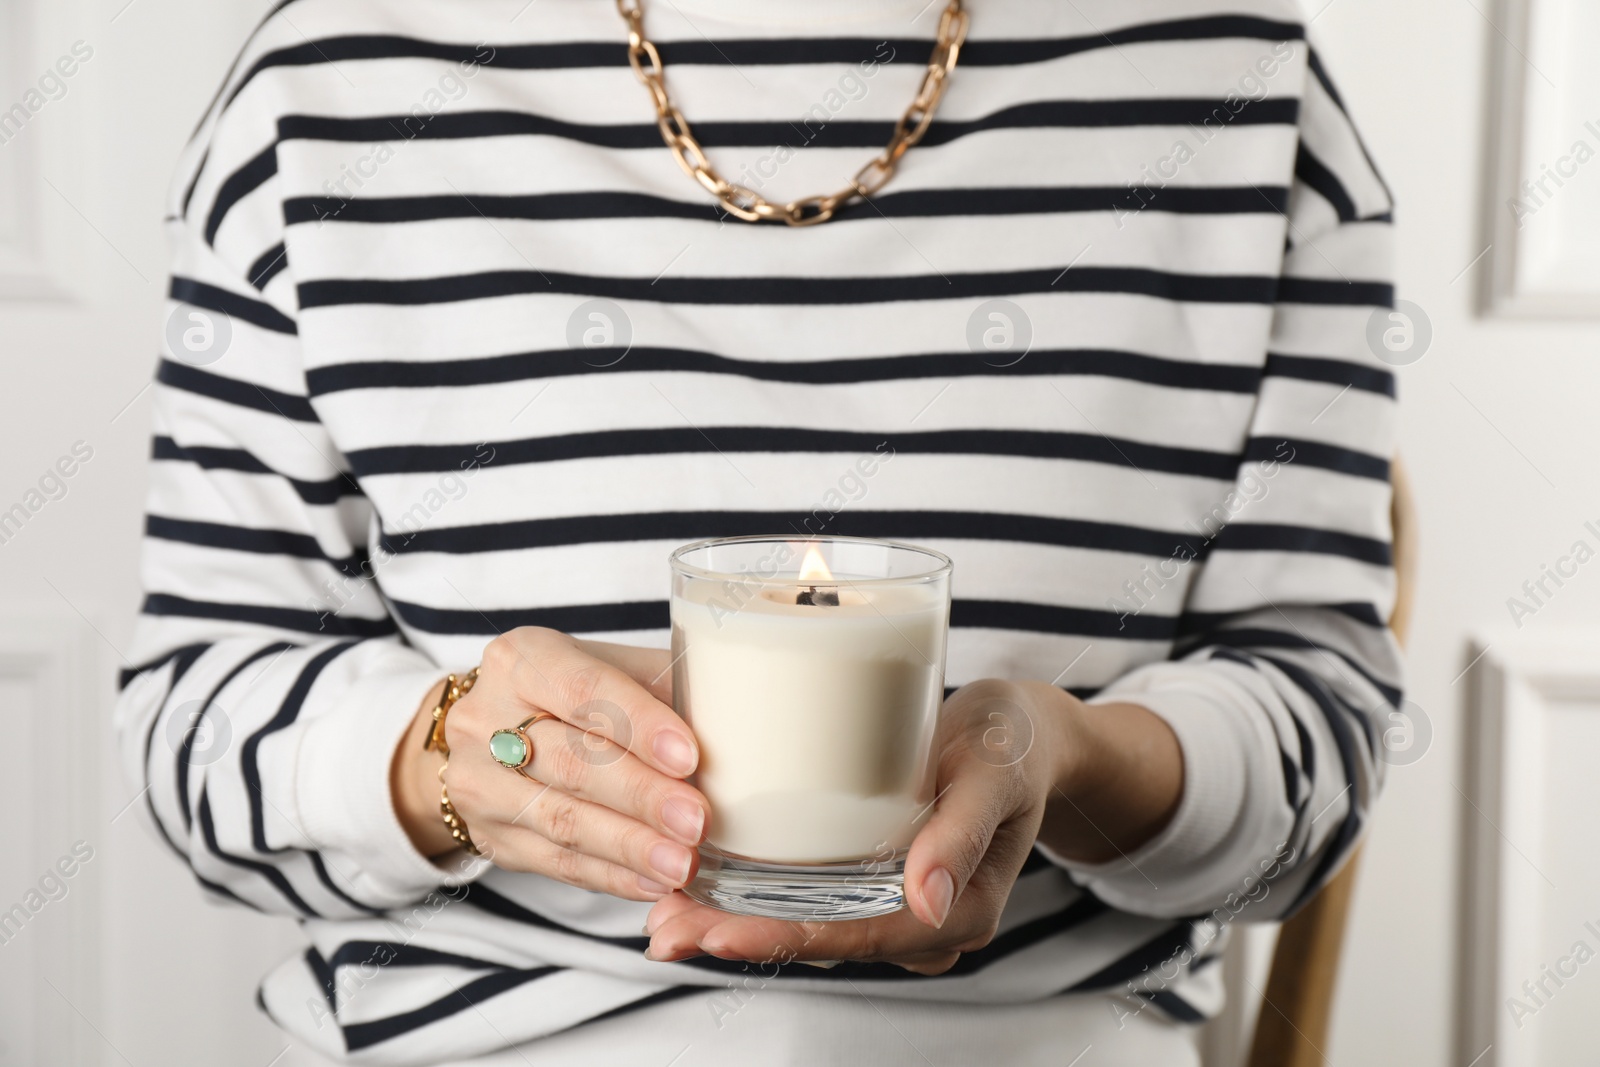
[812,675]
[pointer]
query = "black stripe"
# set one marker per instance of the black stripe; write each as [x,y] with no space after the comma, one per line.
[249,765]
[1318,454]
[181,659]
[1252,639]
[839,133]
[269,265]
[184,656]
[325,623]
[1164,947]
[358,1036]
[838,290]
[1314,173]
[217,97]
[1362,716]
[1320,72]
[1203,623]
[220,890]
[200,168]
[240,184]
[323,972]
[1362,611]
[1293,290]
[320,867]
[568,55]
[287,712]
[256,312]
[1308,764]
[1085,447]
[913,203]
[563,362]
[686,526]
[207,457]
[1059,619]
[273,875]
[1334,851]
[232,391]
[489,901]
[186,746]
[569,618]
[400,954]
[251,539]
[1333,371]
[1292,777]
[653,615]
[1174,1006]
[1364,719]
[1274,537]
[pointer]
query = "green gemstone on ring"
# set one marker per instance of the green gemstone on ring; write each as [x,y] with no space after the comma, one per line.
[509,748]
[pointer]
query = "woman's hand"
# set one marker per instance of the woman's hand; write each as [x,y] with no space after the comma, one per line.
[1017,762]
[602,805]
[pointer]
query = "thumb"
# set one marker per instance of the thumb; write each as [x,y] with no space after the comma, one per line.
[952,843]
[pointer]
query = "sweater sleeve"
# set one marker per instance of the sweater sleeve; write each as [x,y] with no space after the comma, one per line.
[1286,672]
[272,686]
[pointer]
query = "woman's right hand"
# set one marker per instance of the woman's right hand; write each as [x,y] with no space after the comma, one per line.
[602,805]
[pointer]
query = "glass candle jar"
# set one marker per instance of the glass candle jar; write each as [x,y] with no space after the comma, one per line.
[812,673]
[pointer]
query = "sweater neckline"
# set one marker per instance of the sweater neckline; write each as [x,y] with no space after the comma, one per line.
[916,16]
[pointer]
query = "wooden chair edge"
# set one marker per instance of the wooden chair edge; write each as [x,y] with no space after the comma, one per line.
[1297,1007]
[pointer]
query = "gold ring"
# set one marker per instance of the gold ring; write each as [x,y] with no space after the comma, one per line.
[511,748]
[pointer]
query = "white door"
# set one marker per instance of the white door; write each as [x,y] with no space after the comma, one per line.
[108,954]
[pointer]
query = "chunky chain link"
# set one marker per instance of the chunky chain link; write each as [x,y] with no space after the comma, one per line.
[454,689]
[745,203]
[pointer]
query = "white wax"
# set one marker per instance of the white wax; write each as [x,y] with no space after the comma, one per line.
[814,721]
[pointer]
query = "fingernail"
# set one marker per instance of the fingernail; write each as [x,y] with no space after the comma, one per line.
[938,892]
[684,818]
[824,964]
[653,887]
[674,752]
[716,948]
[671,862]
[651,924]
[664,955]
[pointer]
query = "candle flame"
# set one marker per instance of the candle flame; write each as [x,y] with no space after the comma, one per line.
[814,568]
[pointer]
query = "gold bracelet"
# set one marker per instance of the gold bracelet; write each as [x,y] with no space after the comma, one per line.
[454,689]
[458,828]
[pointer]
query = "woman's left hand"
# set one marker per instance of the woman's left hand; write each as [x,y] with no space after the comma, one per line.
[1000,753]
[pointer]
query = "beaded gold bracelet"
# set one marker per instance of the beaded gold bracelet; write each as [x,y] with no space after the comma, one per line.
[454,689]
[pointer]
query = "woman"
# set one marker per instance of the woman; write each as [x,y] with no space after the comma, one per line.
[460,353]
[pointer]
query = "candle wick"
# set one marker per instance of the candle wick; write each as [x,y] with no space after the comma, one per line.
[828,598]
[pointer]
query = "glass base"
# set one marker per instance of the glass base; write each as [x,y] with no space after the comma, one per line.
[808,892]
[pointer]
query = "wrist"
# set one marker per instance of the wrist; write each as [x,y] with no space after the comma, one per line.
[1118,778]
[414,782]
[1070,742]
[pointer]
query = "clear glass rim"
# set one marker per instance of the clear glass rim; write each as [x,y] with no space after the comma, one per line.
[942,567]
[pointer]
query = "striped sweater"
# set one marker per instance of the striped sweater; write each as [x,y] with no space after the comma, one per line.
[455,347]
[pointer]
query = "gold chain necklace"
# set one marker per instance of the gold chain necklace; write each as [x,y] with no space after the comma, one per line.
[746,203]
